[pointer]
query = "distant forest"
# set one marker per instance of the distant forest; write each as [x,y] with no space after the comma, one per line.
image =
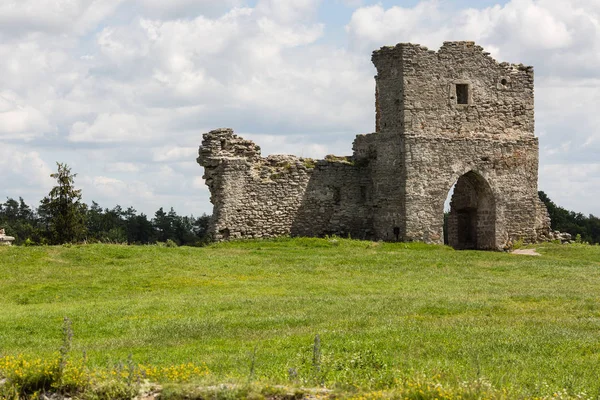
[117,225]
[572,222]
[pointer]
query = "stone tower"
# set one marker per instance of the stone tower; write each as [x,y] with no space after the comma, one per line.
[451,118]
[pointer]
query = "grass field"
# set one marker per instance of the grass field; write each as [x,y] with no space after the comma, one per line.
[386,314]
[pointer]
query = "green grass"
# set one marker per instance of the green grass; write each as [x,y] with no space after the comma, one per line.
[384,312]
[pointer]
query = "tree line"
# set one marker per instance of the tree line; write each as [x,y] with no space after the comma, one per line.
[588,228]
[62,217]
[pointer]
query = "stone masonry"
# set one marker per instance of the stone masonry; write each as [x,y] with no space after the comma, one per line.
[451,118]
[4,239]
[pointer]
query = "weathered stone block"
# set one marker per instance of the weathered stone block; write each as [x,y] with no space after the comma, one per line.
[4,239]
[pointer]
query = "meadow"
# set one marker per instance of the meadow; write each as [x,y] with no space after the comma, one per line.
[389,316]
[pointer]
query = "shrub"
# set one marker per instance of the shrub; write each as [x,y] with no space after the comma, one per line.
[309,163]
[517,244]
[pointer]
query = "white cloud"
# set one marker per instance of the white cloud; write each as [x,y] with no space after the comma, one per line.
[514,22]
[555,35]
[253,65]
[172,154]
[126,167]
[199,184]
[573,185]
[53,16]
[299,145]
[352,3]
[288,11]
[161,9]
[20,120]
[565,112]
[110,128]
[24,173]
[110,190]
[373,25]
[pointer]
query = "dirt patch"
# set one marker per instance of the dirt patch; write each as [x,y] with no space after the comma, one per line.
[526,252]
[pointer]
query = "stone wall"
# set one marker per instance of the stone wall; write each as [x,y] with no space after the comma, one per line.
[455,115]
[417,92]
[256,197]
[384,154]
[4,239]
[509,168]
[491,135]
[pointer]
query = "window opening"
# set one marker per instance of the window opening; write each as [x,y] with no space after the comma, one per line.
[462,93]
[337,196]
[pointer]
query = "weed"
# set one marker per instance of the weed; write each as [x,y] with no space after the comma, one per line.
[339,159]
[517,244]
[309,163]
[316,360]
[252,365]
[171,243]
[67,339]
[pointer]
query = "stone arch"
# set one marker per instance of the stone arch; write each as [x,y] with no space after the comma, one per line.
[473,216]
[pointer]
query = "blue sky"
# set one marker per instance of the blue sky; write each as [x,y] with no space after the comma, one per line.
[122,90]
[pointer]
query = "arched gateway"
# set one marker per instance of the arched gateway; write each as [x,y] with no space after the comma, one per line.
[452,115]
[472,218]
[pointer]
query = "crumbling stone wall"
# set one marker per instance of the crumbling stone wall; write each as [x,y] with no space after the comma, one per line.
[417,92]
[445,117]
[256,197]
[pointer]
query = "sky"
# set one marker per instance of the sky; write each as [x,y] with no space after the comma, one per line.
[122,90]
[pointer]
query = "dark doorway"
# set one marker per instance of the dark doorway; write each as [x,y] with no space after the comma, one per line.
[471,220]
[467,228]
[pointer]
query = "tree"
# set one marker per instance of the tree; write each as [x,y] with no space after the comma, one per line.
[94,222]
[142,230]
[201,228]
[62,209]
[574,223]
[25,212]
[10,211]
[19,221]
[162,224]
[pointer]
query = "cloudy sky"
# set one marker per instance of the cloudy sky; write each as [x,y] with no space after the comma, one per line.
[122,90]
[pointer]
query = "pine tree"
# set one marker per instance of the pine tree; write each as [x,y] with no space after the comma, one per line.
[162,225]
[63,210]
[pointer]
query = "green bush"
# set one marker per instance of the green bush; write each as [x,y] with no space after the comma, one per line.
[517,244]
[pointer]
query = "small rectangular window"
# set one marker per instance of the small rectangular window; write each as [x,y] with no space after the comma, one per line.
[337,196]
[462,93]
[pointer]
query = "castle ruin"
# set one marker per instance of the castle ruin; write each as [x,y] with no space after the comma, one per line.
[454,117]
